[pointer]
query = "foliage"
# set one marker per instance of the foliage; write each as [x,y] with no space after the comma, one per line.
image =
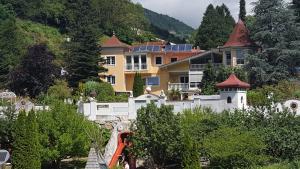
[157,135]
[104,92]
[215,28]
[164,22]
[284,90]
[36,33]
[282,165]
[7,122]
[63,133]
[59,90]
[230,148]
[209,80]
[276,31]
[10,44]
[138,85]
[242,14]
[83,56]
[174,95]
[36,72]
[26,145]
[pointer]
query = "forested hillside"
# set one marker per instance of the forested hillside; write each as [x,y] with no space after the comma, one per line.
[165,22]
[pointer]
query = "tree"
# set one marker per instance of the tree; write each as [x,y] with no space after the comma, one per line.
[59,90]
[26,145]
[84,52]
[242,14]
[157,135]
[138,85]
[63,133]
[229,148]
[7,121]
[209,80]
[296,7]
[36,72]
[215,28]
[10,44]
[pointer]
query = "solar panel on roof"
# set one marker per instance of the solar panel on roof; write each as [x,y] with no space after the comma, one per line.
[175,48]
[143,48]
[182,47]
[168,48]
[188,47]
[156,48]
[136,49]
[149,48]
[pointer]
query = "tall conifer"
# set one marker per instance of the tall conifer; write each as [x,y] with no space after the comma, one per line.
[138,85]
[242,14]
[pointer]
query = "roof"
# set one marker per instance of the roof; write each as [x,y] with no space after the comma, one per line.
[114,42]
[94,161]
[233,82]
[239,37]
[188,58]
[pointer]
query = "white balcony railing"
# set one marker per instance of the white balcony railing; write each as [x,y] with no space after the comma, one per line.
[201,67]
[135,67]
[178,86]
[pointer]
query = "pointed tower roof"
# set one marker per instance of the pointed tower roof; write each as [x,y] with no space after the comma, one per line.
[233,82]
[239,37]
[114,42]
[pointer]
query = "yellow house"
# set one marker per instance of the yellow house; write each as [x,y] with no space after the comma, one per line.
[170,67]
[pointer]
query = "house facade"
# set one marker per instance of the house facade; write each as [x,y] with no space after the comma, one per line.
[166,67]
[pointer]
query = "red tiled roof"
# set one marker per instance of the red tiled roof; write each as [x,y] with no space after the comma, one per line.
[233,82]
[239,37]
[114,42]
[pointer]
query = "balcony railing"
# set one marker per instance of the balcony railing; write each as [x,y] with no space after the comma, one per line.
[201,67]
[178,86]
[135,67]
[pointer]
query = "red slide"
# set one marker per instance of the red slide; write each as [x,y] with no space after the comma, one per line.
[122,143]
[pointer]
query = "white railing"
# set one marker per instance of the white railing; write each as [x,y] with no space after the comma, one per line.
[135,67]
[200,67]
[178,86]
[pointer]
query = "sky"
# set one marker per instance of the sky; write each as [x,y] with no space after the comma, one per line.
[191,11]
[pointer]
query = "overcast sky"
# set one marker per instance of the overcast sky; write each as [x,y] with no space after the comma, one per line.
[190,11]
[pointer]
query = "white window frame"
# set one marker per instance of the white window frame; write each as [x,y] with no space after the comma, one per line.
[153,77]
[109,60]
[109,79]
[162,62]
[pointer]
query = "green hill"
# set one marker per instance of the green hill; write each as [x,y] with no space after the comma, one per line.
[172,25]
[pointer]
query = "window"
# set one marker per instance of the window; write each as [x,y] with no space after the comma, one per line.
[111,60]
[228,57]
[240,57]
[229,100]
[173,60]
[152,81]
[158,60]
[184,79]
[111,79]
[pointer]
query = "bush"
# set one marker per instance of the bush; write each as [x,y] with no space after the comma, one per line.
[233,148]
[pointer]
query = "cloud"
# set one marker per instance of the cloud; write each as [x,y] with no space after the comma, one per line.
[190,11]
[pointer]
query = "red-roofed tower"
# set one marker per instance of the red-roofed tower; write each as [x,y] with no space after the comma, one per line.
[238,45]
[233,93]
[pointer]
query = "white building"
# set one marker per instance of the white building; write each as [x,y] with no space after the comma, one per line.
[233,95]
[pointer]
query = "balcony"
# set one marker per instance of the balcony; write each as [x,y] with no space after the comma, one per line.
[201,67]
[135,67]
[178,86]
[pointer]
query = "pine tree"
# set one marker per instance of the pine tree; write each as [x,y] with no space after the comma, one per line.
[26,145]
[33,139]
[242,14]
[138,85]
[20,146]
[215,28]
[84,51]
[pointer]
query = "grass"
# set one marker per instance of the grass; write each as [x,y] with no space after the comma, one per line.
[283,165]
